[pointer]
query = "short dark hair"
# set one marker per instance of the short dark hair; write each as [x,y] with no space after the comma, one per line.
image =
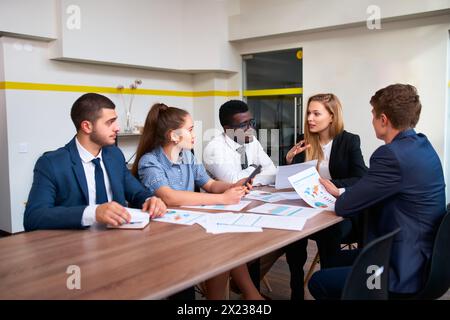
[88,107]
[229,109]
[400,103]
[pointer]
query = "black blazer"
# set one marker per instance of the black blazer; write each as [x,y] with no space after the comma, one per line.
[346,161]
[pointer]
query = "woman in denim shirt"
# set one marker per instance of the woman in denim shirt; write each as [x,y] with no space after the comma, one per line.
[166,166]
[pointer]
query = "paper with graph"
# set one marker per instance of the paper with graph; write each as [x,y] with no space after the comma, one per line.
[181,217]
[226,207]
[241,222]
[307,185]
[286,210]
[264,196]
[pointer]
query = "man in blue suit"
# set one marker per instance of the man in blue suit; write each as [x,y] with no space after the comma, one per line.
[404,188]
[87,180]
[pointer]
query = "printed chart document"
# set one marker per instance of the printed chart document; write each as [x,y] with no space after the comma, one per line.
[226,223]
[284,172]
[181,217]
[286,210]
[226,207]
[307,185]
[241,222]
[264,196]
[139,220]
[291,195]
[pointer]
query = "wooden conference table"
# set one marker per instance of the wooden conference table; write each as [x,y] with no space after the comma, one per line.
[152,263]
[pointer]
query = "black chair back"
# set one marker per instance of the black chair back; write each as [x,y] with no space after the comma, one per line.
[369,277]
[438,281]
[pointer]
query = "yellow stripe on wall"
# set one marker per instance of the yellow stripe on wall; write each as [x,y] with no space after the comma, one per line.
[10,85]
[272,92]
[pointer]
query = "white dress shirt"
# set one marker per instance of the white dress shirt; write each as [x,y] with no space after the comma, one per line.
[223,162]
[324,170]
[89,171]
[324,165]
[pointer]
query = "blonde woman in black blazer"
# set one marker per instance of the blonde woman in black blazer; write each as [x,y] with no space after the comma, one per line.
[340,160]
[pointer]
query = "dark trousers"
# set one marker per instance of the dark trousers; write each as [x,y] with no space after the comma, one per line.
[328,284]
[328,243]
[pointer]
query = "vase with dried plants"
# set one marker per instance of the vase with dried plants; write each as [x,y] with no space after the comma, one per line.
[128,106]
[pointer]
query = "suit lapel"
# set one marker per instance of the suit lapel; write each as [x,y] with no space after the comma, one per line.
[78,169]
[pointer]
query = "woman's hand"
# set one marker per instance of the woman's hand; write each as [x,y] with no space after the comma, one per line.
[330,187]
[296,149]
[248,186]
[234,194]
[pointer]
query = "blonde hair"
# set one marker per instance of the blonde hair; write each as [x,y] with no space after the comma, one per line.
[334,107]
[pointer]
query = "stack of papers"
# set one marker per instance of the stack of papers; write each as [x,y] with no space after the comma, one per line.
[226,207]
[286,210]
[241,222]
[292,195]
[284,172]
[264,196]
[233,222]
[181,217]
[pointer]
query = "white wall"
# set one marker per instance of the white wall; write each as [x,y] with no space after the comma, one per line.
[30,18]
[447,124]
[155,34]
[262,18]
[5,207]
[41,119]
[355,62]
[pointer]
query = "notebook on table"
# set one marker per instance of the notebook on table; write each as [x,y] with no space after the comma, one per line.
[139,220]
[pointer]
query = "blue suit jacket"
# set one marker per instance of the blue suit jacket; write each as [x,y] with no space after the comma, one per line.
[59,193]
[404,188]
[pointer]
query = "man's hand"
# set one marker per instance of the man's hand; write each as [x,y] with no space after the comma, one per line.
[329,186]
[155,207]
[112,213]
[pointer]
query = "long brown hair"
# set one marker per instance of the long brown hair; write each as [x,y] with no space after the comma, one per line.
[160,120]
[334,107]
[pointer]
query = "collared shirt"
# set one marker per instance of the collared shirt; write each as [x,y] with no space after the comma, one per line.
[89,171]
[155,170]
[324,169]
[224,163]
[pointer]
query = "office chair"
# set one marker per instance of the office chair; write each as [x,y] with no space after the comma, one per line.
[438,280]
[358,284]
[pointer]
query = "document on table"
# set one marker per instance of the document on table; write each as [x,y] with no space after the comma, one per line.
[226,207]
[241,222]
[139,220]
[225,223]
[264,196]
[307,185]
[284,172]
[181,217]
[291,195]
[286,210]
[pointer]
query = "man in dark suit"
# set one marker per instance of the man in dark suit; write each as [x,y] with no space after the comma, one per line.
[86,180]
[404,188]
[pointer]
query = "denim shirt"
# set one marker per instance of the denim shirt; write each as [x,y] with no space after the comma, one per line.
[155,170]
